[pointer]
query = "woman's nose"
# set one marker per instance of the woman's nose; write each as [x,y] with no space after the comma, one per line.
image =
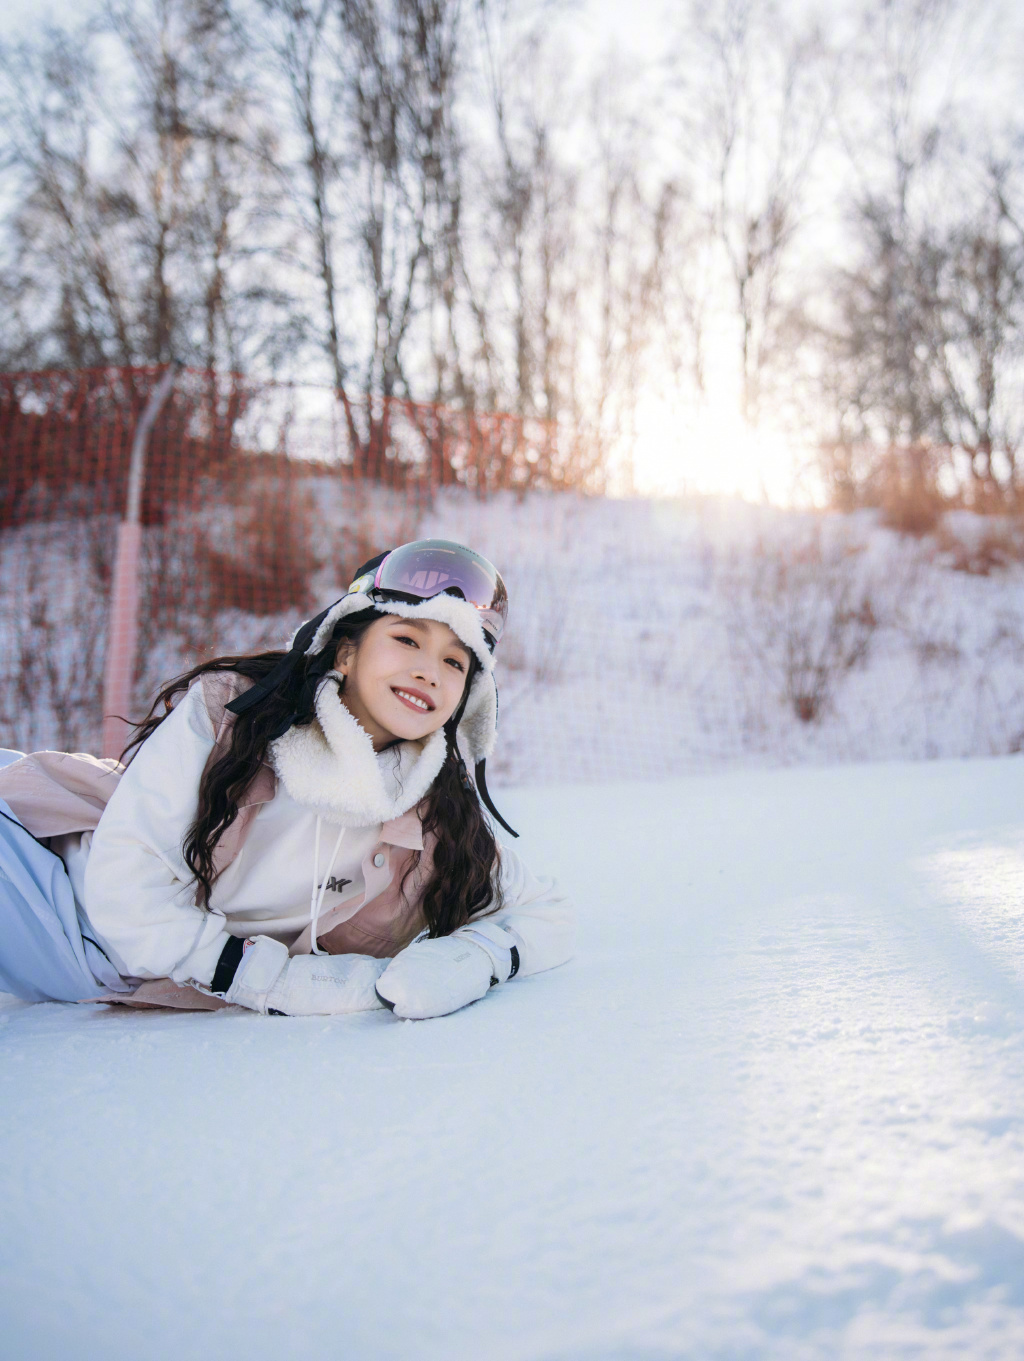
[427,672]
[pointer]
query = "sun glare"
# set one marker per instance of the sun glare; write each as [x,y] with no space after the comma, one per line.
[711,450]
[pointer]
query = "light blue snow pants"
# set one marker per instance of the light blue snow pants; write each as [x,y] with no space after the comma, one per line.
[43,954]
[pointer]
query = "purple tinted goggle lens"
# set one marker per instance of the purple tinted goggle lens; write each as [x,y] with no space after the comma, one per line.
[432,567]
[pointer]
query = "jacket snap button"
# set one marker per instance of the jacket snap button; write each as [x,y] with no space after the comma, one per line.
[378,859]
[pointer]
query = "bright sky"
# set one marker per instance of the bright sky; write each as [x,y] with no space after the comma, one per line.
[634,23]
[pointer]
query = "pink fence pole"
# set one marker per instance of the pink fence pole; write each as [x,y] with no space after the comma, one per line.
[123,628]
[122,636]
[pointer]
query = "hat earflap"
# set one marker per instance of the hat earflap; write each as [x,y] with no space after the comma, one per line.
[472,729]
[478,727]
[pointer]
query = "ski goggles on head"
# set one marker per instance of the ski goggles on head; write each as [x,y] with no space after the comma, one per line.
[430,567]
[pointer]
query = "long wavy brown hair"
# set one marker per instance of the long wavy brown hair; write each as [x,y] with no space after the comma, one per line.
[462,884]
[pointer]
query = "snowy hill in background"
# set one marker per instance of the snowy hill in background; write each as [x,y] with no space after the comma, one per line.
[654,638]
[646,639]
[773,1110]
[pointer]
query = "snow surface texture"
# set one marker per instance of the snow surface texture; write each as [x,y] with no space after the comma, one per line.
[646,638]
[772,1110]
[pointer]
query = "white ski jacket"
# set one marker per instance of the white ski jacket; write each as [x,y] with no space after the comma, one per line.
[320,851]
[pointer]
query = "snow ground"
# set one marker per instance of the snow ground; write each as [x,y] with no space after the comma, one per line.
[772,1110]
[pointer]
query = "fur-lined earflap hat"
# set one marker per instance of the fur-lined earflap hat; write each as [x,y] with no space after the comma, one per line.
[426,579]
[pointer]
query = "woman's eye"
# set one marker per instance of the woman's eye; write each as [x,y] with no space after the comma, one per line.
[404,638]
[454,661]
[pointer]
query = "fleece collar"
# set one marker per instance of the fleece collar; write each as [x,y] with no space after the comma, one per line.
[330,766]
[478,729]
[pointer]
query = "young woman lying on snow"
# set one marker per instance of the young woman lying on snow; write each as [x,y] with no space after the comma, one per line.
[295,832]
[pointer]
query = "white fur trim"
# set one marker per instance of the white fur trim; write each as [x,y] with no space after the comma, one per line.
[461,617]
[478,730]
[331,767]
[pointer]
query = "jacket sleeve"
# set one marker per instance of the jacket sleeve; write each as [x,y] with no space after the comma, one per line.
[139,892]
[537,914]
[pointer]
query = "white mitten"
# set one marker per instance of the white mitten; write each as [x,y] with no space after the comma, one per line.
[434,977]
[327,985]
[499,944]
[306,985]
[258,970]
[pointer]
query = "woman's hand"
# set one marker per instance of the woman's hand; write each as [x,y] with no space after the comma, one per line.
[435,977]
[268,980]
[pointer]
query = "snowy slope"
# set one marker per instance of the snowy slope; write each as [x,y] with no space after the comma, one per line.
[650,638]
[646,639]
[773,1110]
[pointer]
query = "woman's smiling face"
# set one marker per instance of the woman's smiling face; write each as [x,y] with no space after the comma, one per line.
[404,678]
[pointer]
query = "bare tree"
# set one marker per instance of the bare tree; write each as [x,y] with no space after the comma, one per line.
[371,89]
[980,345]
[141,208]
[63,289]
[566,279]
[922,349]
[759,88]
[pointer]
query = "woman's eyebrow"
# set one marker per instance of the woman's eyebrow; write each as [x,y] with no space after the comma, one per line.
[425,627]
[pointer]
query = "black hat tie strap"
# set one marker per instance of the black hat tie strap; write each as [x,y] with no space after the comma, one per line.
[481,784]
[282,671]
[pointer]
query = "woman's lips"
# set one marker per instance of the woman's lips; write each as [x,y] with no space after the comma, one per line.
[413,699]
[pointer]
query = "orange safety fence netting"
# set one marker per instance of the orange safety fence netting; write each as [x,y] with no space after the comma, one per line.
[259,500]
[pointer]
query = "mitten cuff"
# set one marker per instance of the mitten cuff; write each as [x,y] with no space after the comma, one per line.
[261,966]
[498,944]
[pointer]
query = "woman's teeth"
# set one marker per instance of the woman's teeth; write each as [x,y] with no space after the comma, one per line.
[413,699]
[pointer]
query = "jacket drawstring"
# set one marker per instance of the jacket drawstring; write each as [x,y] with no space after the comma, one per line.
[316,900]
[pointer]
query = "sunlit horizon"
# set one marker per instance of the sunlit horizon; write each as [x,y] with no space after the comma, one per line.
[709,449]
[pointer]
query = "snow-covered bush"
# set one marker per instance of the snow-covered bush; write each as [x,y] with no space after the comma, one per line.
[55,578]
[801,616]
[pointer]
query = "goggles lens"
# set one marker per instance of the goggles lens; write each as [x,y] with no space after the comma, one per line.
[430,567]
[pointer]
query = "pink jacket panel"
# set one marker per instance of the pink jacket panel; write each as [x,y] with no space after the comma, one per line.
[53,793]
